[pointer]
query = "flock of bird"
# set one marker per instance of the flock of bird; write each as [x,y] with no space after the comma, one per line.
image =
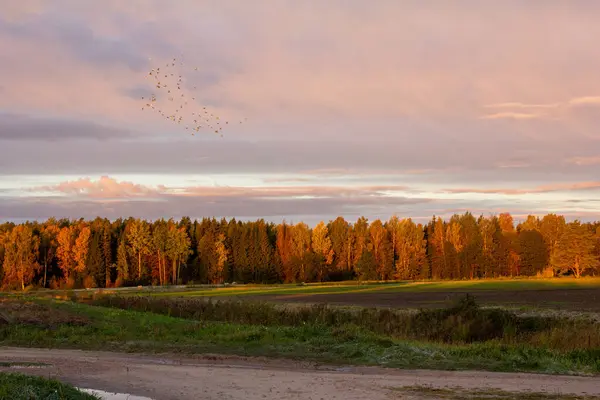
[175,99]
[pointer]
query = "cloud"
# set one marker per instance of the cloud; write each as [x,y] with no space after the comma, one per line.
[87,197]
[513,164]
[563,187]
[82,42]
[294,191]
[239,207]
[522,105]
[564,106]
[23,127]
[105,187]
[138,91]
[297,70]
[511,115]
[593,160]
[586,100]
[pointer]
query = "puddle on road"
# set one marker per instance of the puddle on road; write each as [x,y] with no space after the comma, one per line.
[113,396]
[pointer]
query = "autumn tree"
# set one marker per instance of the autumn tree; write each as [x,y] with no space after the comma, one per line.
[178,249]
[436,249]
[360,239]
[532,223]
[321,245]
[209,258]
[597,241]
[160,234]
[81,248]
[506,223]
[494,247]
[453,247]
[533,252]
[123,269]
[20,257]
[138,238]
[410,248]
[575,250]
[48,246]
[96,272]
[301,237]
[552,228]
[100,251]
[221,254]
[366,267]
[339,231]
[284,251]
[65,253]
[107,252]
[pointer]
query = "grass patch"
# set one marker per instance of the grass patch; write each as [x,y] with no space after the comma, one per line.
[345,343]
[7,364]
[463,323]
[428,392]
[22,387]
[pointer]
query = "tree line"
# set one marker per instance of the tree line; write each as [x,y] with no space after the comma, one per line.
[101,253]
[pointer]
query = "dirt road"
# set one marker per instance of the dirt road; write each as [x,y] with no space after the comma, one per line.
[172,377]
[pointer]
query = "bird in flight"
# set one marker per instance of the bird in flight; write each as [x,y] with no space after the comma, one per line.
[180,109]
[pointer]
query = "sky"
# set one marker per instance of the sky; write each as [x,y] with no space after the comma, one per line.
[348,108]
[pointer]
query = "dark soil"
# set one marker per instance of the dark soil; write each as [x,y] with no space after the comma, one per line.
[29,313]
[558,299]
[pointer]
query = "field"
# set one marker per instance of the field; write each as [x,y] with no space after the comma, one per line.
[555,294]
[539,326]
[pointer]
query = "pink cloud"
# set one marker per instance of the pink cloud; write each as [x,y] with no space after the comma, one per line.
[522,105]
[585,100]
[539,189]
[511,115]
[290,191]
[105,187]
[584,160]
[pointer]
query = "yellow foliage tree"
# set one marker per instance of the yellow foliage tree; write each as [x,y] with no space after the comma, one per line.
[20,258]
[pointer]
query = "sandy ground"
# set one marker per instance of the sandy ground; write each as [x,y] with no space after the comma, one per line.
[170,377]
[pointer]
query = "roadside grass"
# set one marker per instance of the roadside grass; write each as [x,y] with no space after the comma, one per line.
[428,392]
[23,387]
[7,364]
[137,331]
[461,323]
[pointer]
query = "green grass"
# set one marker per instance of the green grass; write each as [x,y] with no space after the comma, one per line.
[428,392]
[22,387]
[124,330]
